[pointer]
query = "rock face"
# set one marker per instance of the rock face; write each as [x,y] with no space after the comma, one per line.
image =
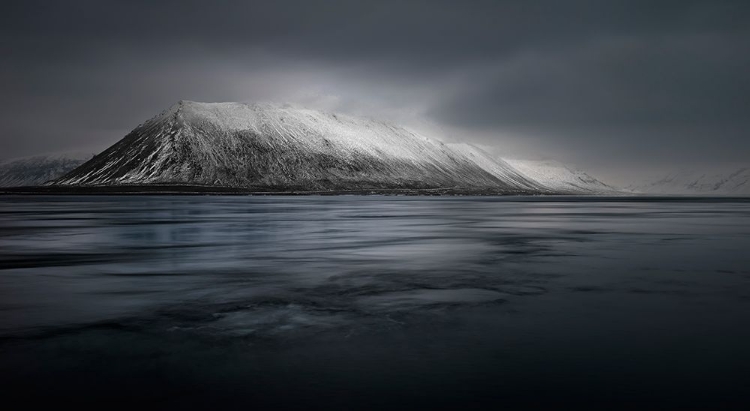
[267,147]
[732,182]
[36,170]
[560,178]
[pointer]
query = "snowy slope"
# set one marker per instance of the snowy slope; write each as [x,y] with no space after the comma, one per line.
[560,178]
[36,170]
[264,146]
[735,181]
[499,167]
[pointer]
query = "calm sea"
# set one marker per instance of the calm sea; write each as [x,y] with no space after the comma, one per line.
[375,302]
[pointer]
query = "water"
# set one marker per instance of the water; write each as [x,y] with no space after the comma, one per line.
[375,302]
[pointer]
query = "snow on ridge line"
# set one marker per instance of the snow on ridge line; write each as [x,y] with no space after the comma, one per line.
[557,176]
[316,129]
[264,144]
[495,166]
[337,127]
[238,144]
[373,137]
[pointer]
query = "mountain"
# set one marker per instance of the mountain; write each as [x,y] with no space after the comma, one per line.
[265,147]
[498,167]
[36,170]
[560,178]
[732,182]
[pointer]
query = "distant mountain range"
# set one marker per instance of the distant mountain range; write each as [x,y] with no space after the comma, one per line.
[36,170]
[731,182]
[281,148]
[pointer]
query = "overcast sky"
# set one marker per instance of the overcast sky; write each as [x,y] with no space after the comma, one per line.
[619,88]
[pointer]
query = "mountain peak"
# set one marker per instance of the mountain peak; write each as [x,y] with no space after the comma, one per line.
[273,147]
[265,146]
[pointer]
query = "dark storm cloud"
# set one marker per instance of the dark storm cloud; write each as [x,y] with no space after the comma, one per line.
[659,97]
[591,81]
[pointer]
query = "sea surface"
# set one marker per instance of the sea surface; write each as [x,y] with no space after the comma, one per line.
[375,302]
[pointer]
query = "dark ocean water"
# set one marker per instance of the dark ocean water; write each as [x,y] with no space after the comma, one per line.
[375,302]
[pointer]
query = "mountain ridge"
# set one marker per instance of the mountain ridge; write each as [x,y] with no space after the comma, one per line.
[267,146]
[38,169]
[723,182]
[560,177]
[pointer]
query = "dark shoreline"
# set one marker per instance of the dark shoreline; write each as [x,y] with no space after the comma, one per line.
[259,191]
[189,190]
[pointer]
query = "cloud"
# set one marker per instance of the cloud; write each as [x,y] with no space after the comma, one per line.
[612,85]
[684,92]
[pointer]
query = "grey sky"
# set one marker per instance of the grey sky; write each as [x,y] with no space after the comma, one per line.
[620,88]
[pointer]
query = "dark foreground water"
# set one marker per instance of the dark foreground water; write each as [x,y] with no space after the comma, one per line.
[375,302]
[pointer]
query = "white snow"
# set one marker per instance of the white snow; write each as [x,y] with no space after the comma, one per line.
[498,167]
[559,177]
[316,131]
[236,144]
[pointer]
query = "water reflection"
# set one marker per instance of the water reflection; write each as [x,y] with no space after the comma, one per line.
[375,301]
[72,260]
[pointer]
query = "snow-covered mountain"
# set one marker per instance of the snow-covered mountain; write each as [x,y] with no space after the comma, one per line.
[560,178]
[498,167]
[36,170]
[270,147]
[735,181]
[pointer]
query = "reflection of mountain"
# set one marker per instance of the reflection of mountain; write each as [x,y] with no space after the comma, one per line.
[267,147]
[725,182]
[560,178]
[36,170]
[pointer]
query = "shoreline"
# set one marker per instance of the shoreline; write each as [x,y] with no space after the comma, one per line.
[259,191]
